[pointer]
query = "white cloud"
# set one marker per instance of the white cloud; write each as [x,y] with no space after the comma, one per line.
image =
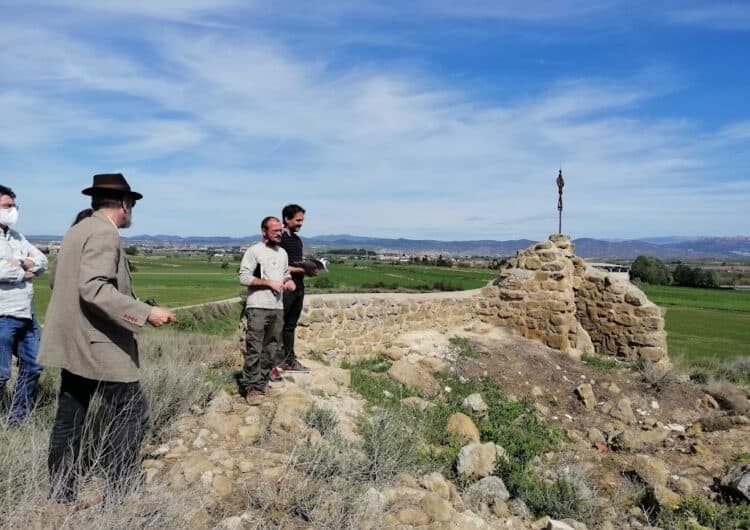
[733,16]
[235,123]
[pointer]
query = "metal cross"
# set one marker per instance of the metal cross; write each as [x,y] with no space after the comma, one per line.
[560,185]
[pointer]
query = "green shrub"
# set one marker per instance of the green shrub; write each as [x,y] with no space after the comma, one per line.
[712,515]
[599,363]
[650,270]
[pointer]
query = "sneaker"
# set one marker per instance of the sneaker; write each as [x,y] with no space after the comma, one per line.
[274,376]
[254,397]
[295,366]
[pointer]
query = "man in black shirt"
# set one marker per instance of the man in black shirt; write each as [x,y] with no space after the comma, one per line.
[293,216]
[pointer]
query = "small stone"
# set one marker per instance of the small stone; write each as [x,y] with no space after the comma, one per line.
[221,403]
[414,376]
[222,486]
[461,429]
[650,470]
[536,391]
[700,448]
[160,451]
[437,508]
[586,394]
[707,401]
[475,403]
[489,491]
[558,525]
[150,474]
[625,440]
[737,481]
[478,460]
[594,436]
[412,516]
[436,483]
[417,402]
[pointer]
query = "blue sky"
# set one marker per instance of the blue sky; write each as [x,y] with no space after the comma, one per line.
[421,119]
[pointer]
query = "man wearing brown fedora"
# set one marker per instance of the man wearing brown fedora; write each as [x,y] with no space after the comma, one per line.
[89,333]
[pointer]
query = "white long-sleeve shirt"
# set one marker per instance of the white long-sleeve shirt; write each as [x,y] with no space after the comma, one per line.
[271,263]
[16,293]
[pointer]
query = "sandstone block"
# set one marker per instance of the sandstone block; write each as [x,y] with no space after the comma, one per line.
[475,403]
[437,508]
[461,429]
[478,460]
[414,376]
[586,394]
[436,483]
[413,517]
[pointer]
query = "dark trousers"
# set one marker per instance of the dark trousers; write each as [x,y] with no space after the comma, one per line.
[292,309]
[109,439]
[262,350]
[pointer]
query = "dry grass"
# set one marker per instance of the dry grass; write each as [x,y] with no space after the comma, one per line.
[174,374]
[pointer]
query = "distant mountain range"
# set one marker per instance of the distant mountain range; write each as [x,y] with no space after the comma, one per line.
[662,247]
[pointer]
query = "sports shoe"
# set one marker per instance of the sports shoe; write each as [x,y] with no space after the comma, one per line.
[296,366]
[274,376]
[254,397]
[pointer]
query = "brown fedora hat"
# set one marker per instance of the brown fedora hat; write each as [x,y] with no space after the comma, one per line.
[107,183]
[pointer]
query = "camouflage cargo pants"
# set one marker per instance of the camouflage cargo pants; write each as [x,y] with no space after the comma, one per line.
[262,347]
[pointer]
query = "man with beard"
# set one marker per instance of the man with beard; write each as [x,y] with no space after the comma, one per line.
[294,217]
[265,271]
[89,333]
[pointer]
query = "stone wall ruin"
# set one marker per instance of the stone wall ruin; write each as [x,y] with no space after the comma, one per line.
[545,293]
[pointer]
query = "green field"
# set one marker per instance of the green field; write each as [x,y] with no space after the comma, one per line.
[180,281]
[357,275]
[704,326]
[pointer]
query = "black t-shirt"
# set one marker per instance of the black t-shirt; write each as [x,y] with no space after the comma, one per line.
[293,246]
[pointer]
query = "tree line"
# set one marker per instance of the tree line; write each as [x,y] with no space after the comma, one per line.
[647,269]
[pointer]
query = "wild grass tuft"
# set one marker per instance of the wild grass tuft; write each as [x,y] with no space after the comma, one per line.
[599,363]
[173,378]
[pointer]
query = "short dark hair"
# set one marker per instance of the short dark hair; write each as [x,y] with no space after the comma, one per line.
[109,200]
[5,190]
[290,210]
[266,220]
[83,214]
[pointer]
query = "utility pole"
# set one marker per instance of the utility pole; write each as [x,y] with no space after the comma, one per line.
[560,185]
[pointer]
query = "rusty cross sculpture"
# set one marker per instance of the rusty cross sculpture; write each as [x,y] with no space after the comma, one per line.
[560,185]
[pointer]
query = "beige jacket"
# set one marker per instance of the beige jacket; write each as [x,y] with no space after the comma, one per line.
[93,313]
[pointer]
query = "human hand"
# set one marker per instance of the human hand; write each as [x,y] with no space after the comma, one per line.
[28,275]
[160,316]
[289,285]
[276,287]
[27,264]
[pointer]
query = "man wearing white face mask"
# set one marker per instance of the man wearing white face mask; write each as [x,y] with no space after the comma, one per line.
[20,262]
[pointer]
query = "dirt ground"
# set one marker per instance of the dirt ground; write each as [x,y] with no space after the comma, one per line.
[668,413]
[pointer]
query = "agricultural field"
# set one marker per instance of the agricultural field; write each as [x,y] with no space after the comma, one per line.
[180,281]
[364,275]
[705,326]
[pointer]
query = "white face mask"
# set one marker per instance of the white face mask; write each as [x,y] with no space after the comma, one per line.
[8,216]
